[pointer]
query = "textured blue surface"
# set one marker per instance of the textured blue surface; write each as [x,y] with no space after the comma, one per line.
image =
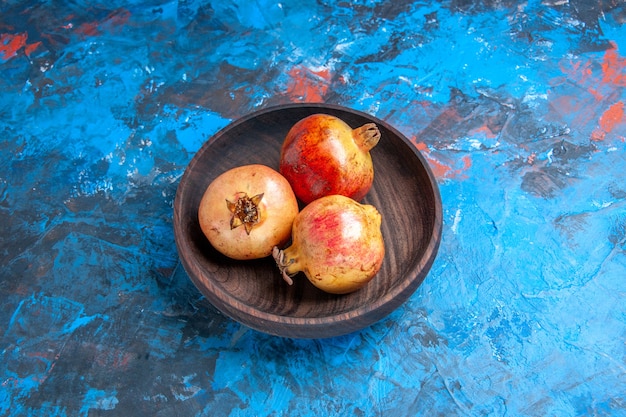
[518,107]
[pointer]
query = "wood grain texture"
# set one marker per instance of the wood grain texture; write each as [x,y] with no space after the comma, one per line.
[252,292]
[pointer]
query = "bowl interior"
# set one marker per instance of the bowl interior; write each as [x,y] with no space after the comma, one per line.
[253,292]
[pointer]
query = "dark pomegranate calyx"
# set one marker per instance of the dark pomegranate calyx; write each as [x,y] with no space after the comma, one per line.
[245,211]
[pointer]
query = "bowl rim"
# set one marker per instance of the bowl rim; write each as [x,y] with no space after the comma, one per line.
[361,316]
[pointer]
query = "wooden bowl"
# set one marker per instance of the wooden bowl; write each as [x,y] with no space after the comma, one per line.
[253,292]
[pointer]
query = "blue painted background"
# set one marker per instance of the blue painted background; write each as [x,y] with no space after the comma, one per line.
[517,106]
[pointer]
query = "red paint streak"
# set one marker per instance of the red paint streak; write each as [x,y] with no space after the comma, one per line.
[440,169]
[421,146]
[10,44]
[614,68]
[484,130]
[600,81]
[467,164]
[613,116]
[30,48]
[613,74]
[308,85]
[88,29]
[113,20]
[585,73]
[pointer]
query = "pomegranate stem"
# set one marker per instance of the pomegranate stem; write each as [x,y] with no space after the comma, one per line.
[366,136]
[279,257]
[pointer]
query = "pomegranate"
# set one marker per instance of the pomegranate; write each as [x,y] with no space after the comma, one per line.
[336,242]
[322,155]
[248,210]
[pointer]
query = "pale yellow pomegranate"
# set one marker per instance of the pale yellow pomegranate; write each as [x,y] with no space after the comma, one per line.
[248,210]
[336,242]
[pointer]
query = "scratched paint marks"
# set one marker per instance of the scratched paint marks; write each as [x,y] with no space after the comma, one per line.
[71,223]
[523,130]
[598,97]
[587,97]
[111,22]
[551,167]
[120,178]
[162,88]
[34,341]
[295,364]
[464,126]
[534,289]
[519,120]
[34,41]
[52,343]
